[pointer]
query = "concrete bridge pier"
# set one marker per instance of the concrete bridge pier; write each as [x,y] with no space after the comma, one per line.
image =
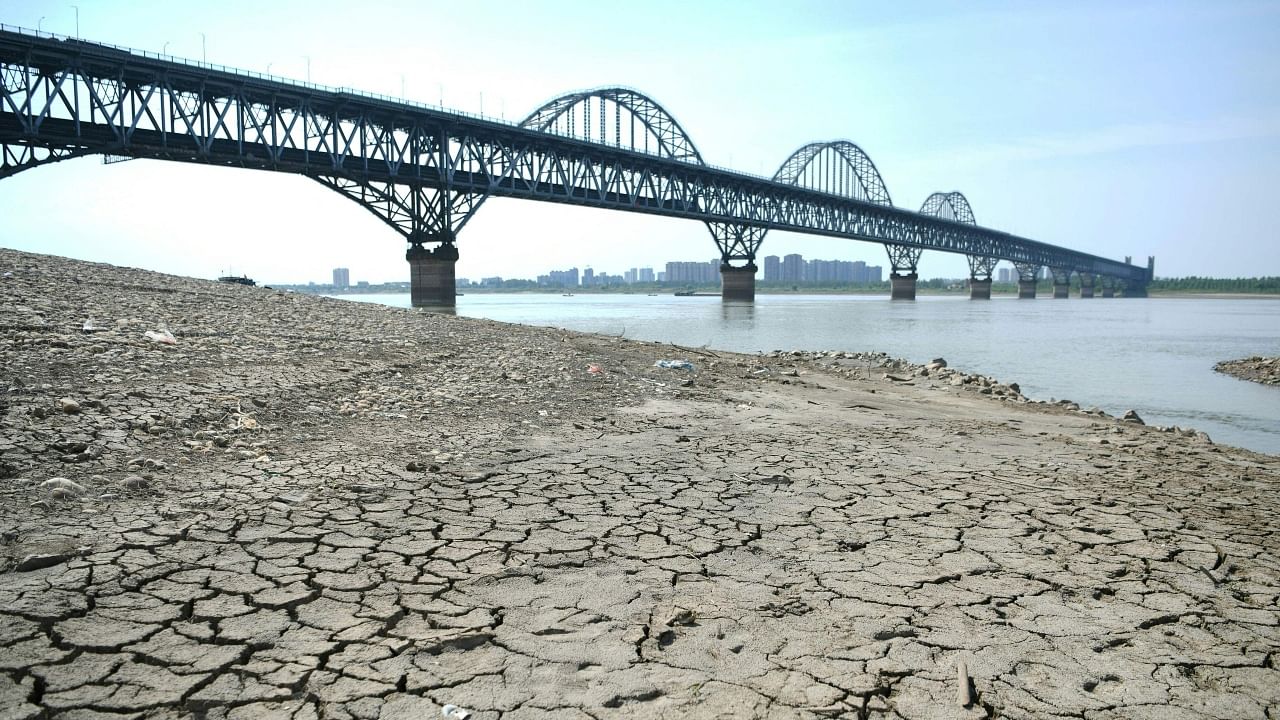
[902,287]
[431,275]
[1027,275]
[903,261]
[737,243]
[1108,286]
[738,283]
[980,269]
[1086,285]
[1061,283]
[979,289]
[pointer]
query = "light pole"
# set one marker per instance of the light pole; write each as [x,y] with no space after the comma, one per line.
[268,69]
[308,58]
[165,50]
[402,87]
[204,56]
[77,9]
[40,24]
[441,85]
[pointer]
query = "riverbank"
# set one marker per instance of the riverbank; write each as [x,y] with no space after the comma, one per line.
[305,507]
[1255,369]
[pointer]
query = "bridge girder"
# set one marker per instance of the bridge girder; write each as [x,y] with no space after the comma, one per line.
[63,98]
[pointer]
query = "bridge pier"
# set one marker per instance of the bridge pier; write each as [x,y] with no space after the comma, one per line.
[1027,273]
[980,269]
[738,283]
[902,287]
[1086,285]
[1108,286]
[431,276]
[1061,283]
[903,260]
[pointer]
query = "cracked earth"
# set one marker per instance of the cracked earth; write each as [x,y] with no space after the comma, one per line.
[309,508]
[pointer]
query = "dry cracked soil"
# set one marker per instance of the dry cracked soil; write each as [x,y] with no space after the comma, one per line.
[306,507]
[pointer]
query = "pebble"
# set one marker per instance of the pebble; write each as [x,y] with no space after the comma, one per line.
[69,406]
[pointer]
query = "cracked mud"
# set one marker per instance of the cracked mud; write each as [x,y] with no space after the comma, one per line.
[311,508]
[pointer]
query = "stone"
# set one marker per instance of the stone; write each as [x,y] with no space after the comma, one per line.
[69,406]
[1131,416]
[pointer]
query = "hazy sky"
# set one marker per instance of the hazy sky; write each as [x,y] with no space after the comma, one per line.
[1113,128]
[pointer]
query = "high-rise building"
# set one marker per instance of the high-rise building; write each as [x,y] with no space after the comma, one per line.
[341,277]
[646,275]
[630,276]
[772,268]
[588,277]
[793,268]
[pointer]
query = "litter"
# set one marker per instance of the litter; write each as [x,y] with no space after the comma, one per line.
[62,488]
[453,712]
[674,364]
[163,336]
[90,326]
[595,369]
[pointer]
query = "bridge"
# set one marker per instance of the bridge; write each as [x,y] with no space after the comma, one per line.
[425,171]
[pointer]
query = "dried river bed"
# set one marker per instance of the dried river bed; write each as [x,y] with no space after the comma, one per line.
[310,508]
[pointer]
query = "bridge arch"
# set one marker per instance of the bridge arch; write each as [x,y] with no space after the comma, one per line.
[950,206]
[955,206]
[838,167]
[610,116]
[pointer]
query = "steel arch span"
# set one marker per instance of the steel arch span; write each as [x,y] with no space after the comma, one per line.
[598,116]
[838,167]
[629,119]
[949,206]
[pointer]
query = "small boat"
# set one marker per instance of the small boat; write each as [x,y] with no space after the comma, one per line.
[567,295]
[684,293]
[242,280]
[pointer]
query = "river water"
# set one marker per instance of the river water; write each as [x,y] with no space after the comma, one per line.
[1155,356]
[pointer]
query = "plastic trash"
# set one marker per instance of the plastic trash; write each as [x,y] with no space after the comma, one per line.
[161,336]
[62,488]
[674,364]
[595,369]
[453,712]
[90,326]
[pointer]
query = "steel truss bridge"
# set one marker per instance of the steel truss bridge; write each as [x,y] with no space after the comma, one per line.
[425,171]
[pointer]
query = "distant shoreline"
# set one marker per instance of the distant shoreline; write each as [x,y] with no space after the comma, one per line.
[1164,294]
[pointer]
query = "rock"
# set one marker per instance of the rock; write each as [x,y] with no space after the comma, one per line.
[41,561]
[136,482]
[69,406]
[1131,416]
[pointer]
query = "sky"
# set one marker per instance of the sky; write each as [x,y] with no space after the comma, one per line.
[1135,128]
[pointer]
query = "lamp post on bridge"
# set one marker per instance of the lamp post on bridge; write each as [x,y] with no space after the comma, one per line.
[165,50]
[204,56]
[40,24]
[77,9]
[308,59]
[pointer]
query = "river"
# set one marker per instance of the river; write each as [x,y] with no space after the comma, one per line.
[1154,356]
